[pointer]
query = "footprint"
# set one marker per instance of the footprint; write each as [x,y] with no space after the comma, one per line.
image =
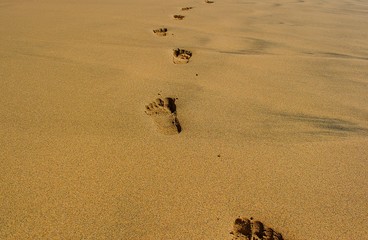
[163,113]
[178,17]
[247,229]
[160,31]
[208,1]
[186,8]
[181,56]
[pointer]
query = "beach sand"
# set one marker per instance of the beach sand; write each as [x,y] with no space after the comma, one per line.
[272,105]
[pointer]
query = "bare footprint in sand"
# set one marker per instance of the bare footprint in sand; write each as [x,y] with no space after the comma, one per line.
[163,113]
[186,8]
[181,56]
[160,31]
[178,17]
[208,1]
[247,229]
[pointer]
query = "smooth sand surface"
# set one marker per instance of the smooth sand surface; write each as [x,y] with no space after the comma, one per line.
[273,106]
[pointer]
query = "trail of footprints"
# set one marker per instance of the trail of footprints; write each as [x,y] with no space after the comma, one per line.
[163,112]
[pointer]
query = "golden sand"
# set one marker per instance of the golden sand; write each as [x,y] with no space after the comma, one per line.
[273,109]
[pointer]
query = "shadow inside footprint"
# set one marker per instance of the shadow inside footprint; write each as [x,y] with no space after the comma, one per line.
[163,113]
[178,17]
[245,228]
[160,31]
[186,8]
[181,56]
[208,1]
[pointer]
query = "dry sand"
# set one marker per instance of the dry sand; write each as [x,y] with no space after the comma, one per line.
[273,107]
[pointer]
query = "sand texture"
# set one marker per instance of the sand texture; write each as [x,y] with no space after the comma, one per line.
[109,130]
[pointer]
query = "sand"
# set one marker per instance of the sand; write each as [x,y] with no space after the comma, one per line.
[273,109]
